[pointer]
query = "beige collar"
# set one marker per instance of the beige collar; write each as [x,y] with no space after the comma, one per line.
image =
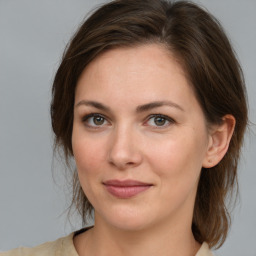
[67,248]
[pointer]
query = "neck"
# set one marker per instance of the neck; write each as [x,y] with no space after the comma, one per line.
[162,239]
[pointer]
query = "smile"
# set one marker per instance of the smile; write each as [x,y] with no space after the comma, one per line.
[125,189]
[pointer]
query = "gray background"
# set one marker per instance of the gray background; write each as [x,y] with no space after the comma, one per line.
[33,35]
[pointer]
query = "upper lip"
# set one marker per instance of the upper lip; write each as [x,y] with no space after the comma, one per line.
[125,183]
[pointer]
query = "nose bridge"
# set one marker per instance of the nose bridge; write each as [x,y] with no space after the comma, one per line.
[124,151]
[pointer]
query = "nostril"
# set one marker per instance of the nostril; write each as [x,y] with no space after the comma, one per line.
[123,152]
[124,161]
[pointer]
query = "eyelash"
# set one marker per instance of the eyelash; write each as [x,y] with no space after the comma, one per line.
[93,115]
[164,117]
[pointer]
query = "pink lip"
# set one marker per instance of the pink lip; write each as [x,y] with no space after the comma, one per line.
[126,188]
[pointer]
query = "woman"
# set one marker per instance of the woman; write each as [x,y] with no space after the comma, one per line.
[149,100]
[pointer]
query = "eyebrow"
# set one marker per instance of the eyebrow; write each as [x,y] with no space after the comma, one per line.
[139,109]
[157,104]
[93,104]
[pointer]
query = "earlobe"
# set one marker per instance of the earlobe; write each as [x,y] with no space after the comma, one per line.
[220,136]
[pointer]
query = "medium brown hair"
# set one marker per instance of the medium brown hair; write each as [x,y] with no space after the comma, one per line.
[197,39]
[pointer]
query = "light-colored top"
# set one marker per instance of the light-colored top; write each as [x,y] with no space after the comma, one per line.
[65,247]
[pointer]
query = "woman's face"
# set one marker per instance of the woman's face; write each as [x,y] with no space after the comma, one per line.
[139,138]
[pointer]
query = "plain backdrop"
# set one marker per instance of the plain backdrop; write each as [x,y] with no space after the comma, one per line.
[33,35]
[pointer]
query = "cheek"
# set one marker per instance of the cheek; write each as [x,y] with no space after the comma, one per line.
[88,158]
[88,155]
[178,159]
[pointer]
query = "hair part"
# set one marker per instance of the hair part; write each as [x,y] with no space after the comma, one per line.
[198,41]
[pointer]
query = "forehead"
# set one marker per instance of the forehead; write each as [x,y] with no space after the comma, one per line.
[139,74]
[133,64]
[155,54]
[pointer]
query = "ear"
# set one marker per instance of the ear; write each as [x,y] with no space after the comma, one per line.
[219,139]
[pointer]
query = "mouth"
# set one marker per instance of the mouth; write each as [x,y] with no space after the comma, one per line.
[126,188]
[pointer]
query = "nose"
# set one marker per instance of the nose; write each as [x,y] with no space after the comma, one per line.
[124,150]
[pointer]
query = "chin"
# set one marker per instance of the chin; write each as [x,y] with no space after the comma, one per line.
[130,225]
[126,218]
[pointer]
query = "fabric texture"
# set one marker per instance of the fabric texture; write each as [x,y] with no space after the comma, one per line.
[65,247]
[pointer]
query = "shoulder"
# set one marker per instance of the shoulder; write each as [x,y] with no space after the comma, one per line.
[204,250]
[63,246]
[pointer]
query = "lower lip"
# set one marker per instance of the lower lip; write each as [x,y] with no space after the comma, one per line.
[126,192]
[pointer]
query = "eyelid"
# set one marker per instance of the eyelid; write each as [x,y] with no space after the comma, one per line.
[86,117]
[167,118]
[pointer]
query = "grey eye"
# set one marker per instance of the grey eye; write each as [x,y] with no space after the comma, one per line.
[159,121]
[98,120]
[95,120]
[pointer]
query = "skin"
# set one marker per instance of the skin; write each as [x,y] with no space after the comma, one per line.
[127,142]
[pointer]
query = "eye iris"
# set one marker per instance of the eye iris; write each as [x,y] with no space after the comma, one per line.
[159,121]
[98,120]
